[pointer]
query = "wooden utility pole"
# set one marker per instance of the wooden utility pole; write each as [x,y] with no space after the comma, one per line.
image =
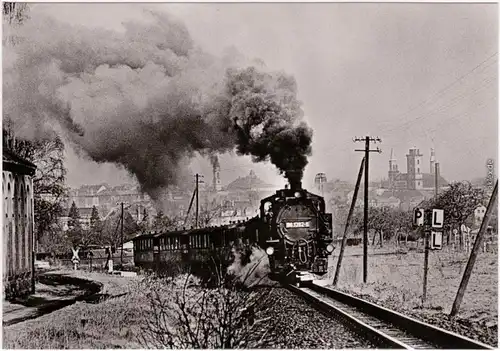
[427,233]
[351,210]
[475,251]
[198,176]
[190,205]
[121,254]
[367,151]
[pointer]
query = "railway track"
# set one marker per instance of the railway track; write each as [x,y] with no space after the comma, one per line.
[382,326]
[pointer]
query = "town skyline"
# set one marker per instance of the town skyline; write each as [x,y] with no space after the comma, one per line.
[267,172]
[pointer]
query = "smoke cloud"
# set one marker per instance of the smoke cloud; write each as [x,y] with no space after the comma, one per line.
[251,270]
[149,98]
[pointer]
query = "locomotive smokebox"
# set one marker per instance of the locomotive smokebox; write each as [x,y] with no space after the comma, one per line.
[294,178]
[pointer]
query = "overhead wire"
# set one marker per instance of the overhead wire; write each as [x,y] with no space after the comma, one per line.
[442,108]
[447,87]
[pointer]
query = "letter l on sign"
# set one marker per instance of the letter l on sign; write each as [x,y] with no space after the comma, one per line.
[437,218]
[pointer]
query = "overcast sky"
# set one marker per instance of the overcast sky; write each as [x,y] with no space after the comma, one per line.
[421,75]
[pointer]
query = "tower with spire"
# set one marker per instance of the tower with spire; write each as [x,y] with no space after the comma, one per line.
[393,170]
[414,178]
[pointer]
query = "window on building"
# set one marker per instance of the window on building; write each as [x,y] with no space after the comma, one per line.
[418,162]
[418,170]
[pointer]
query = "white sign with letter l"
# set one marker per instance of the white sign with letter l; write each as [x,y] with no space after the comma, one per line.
[437,218]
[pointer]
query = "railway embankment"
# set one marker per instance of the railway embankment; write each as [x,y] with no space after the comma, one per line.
[396,282]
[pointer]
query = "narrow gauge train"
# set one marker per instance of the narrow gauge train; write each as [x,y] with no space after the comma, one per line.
[292,228]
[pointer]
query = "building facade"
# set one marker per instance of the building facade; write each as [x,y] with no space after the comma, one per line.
[18,225]
[415,178]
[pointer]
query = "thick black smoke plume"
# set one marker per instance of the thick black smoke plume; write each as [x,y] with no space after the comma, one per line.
[148,98]
[267,116]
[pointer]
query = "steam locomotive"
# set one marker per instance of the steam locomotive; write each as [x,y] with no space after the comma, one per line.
[292,227]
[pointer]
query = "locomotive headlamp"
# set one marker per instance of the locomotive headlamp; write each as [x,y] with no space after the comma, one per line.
[297,194]
[270,250]
[329,248]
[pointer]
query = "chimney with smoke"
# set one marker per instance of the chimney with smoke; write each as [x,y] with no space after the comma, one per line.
[294,179]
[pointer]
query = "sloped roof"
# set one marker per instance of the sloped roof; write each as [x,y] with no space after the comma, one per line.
[126,189]
[82,212]
[91,189]
[109,192]
[249,182]
[12,162]
[429,179]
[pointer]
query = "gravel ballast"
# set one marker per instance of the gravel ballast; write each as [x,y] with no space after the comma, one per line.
[297,325]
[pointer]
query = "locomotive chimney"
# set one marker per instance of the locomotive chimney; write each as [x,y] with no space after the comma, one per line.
[294,178]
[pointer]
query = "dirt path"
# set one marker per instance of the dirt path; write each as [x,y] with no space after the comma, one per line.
[53,291]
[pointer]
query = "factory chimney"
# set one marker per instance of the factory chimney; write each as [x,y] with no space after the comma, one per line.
[433,161]
[216,177]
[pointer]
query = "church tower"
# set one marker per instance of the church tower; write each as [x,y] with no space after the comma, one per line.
[414,169]
[393,170]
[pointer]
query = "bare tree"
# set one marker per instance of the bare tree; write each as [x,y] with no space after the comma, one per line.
[208,213]
[183,314]
[15,12]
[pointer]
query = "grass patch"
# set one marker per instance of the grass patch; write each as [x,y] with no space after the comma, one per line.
[172,313]
[396,281]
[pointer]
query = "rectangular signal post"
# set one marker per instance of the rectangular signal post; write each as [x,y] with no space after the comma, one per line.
[367,151]
[421,219]
[426,264]
[434,221]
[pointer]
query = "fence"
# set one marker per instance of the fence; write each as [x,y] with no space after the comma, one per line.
[98,264]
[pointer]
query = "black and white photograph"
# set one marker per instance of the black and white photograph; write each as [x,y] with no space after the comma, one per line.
[289,175]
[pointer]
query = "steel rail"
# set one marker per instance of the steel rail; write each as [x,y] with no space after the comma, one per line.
[384,327]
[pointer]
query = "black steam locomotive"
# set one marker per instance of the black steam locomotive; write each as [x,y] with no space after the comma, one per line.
[292,228]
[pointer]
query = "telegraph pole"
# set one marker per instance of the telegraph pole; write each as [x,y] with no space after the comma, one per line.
[474,253]
[351,210]
[367,151]
[121,255]
[198,176]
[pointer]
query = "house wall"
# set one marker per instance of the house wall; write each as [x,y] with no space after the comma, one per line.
[18,238]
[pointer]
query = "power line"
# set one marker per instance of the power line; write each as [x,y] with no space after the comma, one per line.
[449,86]
[430,113]
[427,114]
